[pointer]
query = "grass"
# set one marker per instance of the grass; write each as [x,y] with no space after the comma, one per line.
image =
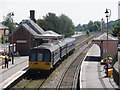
[27,84]
[53,75]
[34,84]
[77,33]
[21,84]
[82,39]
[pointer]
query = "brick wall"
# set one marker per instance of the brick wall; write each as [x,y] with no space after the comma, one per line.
[111,46]
[23,40]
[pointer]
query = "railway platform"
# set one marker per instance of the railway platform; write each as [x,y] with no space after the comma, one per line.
[10,74]
[92,73]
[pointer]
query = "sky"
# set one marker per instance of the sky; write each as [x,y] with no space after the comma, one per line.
[80,11]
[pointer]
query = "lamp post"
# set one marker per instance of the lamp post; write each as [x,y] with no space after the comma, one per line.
[102,25]
[12,14]
[108,14]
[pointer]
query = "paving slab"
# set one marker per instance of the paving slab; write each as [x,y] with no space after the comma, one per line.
[92,73]
[8,75]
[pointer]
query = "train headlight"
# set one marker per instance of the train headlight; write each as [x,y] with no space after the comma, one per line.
[47,63]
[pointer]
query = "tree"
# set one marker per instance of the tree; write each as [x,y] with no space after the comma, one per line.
[116,30]
[8,21]
[88,33]
[43,24]
[79,27]
[84,27]
[62,24]
[66,26]
[94,26]
[97,26]
[49,22]
[90,26]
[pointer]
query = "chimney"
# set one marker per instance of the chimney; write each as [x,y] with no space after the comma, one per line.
[32,15]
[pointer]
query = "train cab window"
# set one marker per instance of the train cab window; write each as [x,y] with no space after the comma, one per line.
[33,57]
[40,56]
[46,57]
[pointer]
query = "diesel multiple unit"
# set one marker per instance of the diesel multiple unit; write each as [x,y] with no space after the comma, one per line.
[45,56]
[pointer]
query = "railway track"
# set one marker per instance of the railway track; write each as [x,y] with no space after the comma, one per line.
[70,75]
[31,80]
[72,70]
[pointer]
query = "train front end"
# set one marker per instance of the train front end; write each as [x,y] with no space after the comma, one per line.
[40,59]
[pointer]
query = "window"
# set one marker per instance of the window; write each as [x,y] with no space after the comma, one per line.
[46,57]
[105,50]
[40,56]
[33,57]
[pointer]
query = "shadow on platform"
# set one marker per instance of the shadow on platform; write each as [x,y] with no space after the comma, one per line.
[93,58]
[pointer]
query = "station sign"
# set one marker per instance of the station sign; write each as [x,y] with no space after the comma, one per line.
[21,41]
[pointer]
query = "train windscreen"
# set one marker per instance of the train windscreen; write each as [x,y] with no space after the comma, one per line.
[46,57]
[40,57]
[33,57]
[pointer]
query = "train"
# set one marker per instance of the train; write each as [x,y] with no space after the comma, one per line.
[45,56]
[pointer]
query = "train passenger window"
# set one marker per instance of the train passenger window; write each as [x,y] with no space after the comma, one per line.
[40,56]
[33,57]
[46,57]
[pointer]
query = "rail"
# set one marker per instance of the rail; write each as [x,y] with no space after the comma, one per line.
[80,51]
[73,82]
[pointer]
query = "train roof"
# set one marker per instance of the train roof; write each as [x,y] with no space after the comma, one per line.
[68,40]
[55,45]
[50,46]
[61,42]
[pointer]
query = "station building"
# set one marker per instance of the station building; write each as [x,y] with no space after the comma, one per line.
[107,47]
[29,35]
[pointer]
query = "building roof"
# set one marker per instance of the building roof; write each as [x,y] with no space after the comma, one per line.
[50,32]
[37,31]
[104,37]
[2,27]
[47,36]
[33,28]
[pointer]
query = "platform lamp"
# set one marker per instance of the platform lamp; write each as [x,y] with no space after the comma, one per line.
[108,14]
[102,25]
[12,14]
